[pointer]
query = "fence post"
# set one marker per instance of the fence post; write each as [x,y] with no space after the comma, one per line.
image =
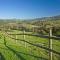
[50,44]
[16,38]
[24,37]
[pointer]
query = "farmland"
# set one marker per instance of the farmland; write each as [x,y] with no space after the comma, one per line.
[17,50]
[22,40]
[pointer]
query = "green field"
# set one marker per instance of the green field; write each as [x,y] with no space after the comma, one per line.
[11,49]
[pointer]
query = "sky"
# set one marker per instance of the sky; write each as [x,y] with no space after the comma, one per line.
[28,9]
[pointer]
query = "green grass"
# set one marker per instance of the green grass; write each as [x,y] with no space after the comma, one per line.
[18,51]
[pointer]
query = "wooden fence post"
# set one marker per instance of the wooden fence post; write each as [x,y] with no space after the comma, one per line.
[24,37]
[16,38]
[50,44]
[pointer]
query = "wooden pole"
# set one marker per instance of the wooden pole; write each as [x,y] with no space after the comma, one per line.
[50,44]
[16,38]
[24,34]
[24,37]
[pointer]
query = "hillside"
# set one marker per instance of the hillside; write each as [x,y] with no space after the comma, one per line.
[19,40]
[49,18]
[28,24]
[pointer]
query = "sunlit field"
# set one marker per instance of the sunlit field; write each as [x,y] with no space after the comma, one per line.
[11,49]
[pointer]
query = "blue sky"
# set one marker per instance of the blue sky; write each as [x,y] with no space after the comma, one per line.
[27,9]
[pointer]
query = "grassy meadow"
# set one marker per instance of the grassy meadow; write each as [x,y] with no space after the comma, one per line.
[11,49]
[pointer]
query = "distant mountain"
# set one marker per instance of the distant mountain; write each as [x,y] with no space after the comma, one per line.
[49,18]
[30,20]
[37,20]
